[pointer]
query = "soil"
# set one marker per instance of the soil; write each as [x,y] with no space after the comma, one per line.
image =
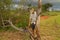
[6,35]
[44,17]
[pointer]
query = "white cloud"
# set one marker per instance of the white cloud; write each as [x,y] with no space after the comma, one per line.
[51,1]
[34,0]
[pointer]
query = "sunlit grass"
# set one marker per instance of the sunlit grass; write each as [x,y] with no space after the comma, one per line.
[51,27]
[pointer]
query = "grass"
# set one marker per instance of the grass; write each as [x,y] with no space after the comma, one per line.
[19,19]
[50,27]
[9,35]
[53,13]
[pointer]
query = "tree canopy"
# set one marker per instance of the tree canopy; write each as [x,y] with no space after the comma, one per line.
[46,6]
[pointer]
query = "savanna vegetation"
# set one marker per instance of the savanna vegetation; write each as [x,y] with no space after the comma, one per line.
[49,27]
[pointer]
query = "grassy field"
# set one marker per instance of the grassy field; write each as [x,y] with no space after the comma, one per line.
[53,13]
[50,27]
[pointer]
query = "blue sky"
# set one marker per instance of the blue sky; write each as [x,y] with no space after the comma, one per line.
[53,1]
[44,1]
[56,3]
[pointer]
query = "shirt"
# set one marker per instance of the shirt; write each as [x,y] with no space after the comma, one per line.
[33,17]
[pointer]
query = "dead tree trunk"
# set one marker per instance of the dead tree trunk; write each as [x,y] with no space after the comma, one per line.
[37,29]
[13,26]
[39,11]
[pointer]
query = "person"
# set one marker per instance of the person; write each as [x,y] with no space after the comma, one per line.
[33,18]
[34,22]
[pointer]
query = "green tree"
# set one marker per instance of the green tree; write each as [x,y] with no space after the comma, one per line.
[46,6]
[4,9]
[10,16]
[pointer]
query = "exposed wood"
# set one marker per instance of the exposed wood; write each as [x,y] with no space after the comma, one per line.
[39,3]
[12,25]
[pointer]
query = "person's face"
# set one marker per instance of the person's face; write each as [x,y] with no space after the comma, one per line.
[32,10]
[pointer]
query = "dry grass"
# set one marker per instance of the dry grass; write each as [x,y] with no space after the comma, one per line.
[13,35]
[50,28]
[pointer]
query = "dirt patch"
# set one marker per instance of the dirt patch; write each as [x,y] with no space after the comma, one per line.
[13,36]
[44,17]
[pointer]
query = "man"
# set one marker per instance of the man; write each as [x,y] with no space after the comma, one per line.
[32,22]
[33,18]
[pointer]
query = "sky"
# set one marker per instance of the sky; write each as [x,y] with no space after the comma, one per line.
[53,1]
[44,1]
[56,3]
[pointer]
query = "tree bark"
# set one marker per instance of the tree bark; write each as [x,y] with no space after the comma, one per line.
[39,3]
[12,25]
